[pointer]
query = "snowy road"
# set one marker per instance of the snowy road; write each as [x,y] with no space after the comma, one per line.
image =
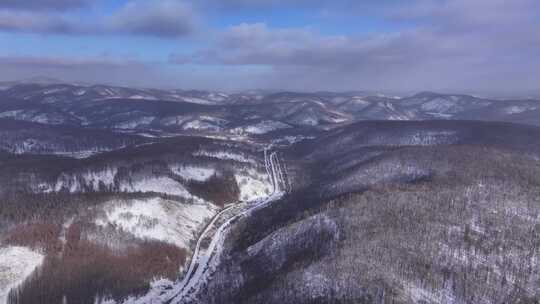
[204,259]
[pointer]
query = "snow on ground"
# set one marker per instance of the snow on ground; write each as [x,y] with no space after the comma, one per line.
[200,125]
[517,109]
[109,92]
[429,138]
[439,115]
[197,100]
[158,219]
[218,96]
[415,138]
[207,123]
[35,146]
[145,97]
[50,99]
[147,135]
[216,120]
[337,119]
[393,113]
[16,263]
[440,105]
[168,292]
[225,155]
[387,96]
[306,120]
[82,154]
[34,116]
[292,139]
[80,92]
[253,185]
[317,283]
[175,120]
[25,146]
[262,127]
[54,90]
[94,180]
[80,182]
[421,295]
[64,231]
[158,288]
[159,184]
[106,178]
[134,123]
[193,173]
[360,100]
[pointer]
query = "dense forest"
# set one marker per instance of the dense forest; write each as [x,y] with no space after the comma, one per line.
[98,221]
[394,223]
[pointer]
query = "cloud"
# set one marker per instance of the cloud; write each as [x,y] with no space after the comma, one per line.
[43,5]
[467,13]
[256,44]
[337,5]
[99,69]
[242,4]
[158,18]
[163,18]
[453,45]
[64,63]
[37,23]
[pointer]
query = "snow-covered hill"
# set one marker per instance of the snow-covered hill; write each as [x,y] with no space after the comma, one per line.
[16,264]
[107,192]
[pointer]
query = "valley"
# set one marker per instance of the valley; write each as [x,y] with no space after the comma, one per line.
[121,195]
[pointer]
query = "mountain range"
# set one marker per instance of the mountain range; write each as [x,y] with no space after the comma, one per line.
[123,195]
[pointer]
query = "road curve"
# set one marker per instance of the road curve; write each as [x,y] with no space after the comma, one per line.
[201,259]
[200,262]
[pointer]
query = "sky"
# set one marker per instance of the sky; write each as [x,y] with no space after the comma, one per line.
[460,46]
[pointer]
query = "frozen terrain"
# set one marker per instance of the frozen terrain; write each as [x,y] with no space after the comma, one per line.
[262,127]
[157,219]
[199,174]
[225,155]
[253,185]
[204,259]
[16,263]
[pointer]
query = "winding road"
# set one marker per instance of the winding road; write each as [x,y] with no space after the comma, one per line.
[203,259]
[200,262]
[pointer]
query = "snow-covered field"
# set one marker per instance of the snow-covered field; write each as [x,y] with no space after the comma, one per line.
[158,219]
[159,184]
[193,173]
[135,123]
[441,105]
[36,146]
[262,127]
[204,260]
[518,109]
[34,116]
[205,123]
[429,138]
[253,185]
[91,179]
[197,100]
[177,120]
[82,154]
[16,263]
[225,155]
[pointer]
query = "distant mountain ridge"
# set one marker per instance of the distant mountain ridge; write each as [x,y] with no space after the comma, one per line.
[172,112]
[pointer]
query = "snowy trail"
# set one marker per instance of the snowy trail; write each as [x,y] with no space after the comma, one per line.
[201,263]
[202,259]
